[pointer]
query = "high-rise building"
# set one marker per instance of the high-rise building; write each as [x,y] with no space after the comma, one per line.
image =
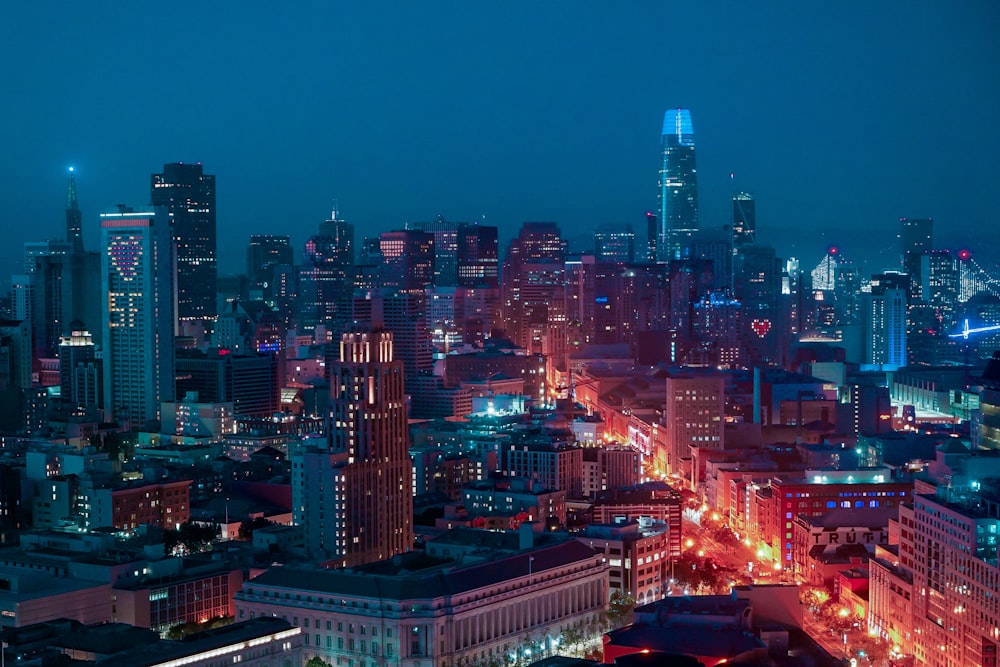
[884,317]
[758,287]
[74,219]
[339,250]
[614,244]
[79,370]
[326,276]
[67,288]
[694,415]
[408,259]
[264,253]
[250,381]
[354,497]
[15,355]
[533,278]
[138,314]
[189,196]
[744,220]
[677,196]
[477,256]
[933,595]
[445,249]
[916,236]
[652,233]
[940,275]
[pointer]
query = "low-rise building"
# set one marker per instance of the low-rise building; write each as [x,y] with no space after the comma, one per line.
[638,553]
[506,594]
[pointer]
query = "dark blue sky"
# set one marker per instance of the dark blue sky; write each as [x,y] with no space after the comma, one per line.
[836,115]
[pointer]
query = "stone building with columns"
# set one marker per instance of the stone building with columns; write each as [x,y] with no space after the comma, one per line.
[471,597]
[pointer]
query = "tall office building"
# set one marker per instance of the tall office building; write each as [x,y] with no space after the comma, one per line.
[533,278]
[408,259]
[445,249]
[744,220]
[477,258]
[79,369]
[264,254]
[15,355]
[67,288]
[340,246]
[74,219]
[325,278]
[138,314]
[354,499]
[189,196]
[694,415]
[916,236]
[884,316]
[677,196]
[939,272]
[614,244]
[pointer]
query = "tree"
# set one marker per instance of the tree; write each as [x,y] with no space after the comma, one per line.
[247,527]
[316,661]
[191,537]
[620,608]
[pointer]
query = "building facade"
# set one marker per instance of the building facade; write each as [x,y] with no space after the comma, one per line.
[188,194]
[437,610]
[677,195]
[353,494]
[136,269]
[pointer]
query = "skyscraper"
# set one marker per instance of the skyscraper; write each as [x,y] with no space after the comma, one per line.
[533,279]
[326,275]
[74,219]
[445,249]
[884,315]
[916,236]
[677,196]
[189,196]
[407,259]
[354,498]
[264,253]
[137,317]
[477,259]
[614,244]
[744,220]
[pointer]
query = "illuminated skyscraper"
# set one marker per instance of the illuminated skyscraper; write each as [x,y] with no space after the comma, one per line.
[189,196]
[137,317]
[744,220]
[74,219]
[614,244]
[354,498]
[884,318]
[533,279]
[264,253]
[408,259]
[477,261]
[916,236]
[677,196]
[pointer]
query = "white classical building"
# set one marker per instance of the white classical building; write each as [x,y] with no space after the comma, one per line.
[472,597]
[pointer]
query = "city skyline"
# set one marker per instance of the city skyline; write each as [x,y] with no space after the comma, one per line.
[380,103]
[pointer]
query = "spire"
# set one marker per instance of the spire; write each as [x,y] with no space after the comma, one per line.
[74,219]
[71,203]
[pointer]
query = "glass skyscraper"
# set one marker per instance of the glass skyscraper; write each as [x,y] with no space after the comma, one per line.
[744,220]
[189,195]
[677,196]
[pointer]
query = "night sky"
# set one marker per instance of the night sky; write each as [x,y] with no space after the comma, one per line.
[839,117]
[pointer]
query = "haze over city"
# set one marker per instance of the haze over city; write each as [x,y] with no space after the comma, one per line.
[838,118]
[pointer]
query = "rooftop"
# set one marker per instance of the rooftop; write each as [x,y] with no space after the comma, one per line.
[417,576]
